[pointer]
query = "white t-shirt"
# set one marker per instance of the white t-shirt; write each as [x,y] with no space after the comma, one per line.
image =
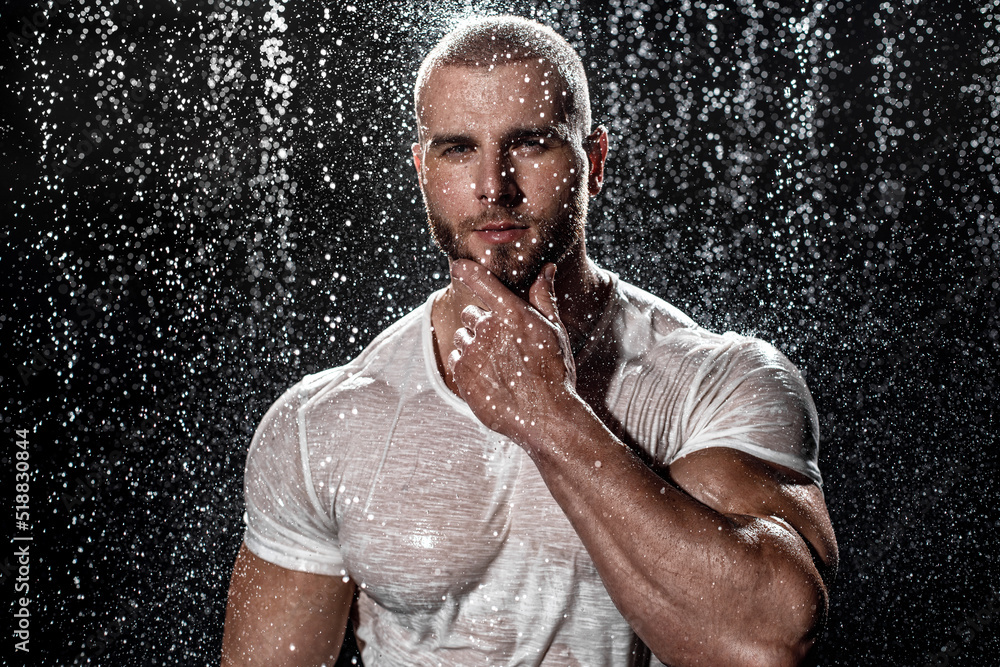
[378,472]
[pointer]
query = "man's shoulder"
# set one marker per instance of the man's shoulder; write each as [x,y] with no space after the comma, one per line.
[382,366]
[670,331]
[643,306]
[644,321]
[715,389]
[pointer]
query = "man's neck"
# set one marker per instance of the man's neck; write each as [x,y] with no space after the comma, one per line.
[581,290]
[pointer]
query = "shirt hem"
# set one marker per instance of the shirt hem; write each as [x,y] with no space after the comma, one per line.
[282,558]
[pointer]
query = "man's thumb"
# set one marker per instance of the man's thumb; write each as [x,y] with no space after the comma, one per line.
[542,294]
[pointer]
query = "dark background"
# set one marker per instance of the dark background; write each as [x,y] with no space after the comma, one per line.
[204,202]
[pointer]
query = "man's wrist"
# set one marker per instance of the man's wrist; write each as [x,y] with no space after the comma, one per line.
[557,428]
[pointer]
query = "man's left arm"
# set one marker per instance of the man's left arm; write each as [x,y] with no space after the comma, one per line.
[726,563]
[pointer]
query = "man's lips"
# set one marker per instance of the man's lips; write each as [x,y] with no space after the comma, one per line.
[500,232]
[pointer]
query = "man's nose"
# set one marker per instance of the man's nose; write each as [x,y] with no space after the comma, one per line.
[495,179]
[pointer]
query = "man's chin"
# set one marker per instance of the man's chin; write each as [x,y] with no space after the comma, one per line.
[517,279]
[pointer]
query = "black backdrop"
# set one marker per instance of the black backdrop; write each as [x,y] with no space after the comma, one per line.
[205,201]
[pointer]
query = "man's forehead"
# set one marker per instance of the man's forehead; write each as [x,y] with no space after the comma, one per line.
[527,86]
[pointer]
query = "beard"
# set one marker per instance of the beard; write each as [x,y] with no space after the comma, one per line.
[516,267]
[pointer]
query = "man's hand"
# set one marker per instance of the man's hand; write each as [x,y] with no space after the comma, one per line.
[512,363]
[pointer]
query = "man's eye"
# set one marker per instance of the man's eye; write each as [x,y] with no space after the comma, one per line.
[458,149]
[531,145]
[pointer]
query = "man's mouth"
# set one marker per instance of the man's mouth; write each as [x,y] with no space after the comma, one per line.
[500,231]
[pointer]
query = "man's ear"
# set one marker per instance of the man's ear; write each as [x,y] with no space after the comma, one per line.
[596,146]
[418,163]
[417,157]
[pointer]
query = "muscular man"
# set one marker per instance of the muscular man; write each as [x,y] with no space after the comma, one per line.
[542,465]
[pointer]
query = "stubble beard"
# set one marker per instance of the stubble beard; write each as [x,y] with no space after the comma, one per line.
[557,237]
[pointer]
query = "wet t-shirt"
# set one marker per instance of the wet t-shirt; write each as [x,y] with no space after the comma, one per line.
[378,472]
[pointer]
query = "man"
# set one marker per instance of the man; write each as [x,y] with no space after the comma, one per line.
[539,466]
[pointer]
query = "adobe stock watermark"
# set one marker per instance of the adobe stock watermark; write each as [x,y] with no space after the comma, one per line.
[21,540]
[32,23]
[92,138]
[971,628]
[925,506]
[17,563]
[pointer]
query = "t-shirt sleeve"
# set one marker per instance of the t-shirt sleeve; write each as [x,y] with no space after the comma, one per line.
[746,395]
[285,523]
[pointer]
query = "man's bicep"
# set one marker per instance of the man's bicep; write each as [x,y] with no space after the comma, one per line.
[276,616]
[289,520]
[735,483]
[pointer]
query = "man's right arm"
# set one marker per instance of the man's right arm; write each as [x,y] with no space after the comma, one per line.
[276,616]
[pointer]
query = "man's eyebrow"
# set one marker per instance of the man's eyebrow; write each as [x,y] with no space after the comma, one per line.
[557,131]
[449,139]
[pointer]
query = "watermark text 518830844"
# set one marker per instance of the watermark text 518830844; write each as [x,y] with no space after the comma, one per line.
[22,541]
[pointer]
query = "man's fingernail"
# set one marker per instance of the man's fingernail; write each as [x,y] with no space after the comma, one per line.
[550,272]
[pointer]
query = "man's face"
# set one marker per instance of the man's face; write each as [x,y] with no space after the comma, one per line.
[504,176]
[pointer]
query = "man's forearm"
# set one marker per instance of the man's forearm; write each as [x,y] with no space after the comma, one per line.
[698,586]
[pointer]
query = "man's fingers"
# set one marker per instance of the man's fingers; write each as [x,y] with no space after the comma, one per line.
[453,359]
[472,316]
[542,297]
[542,294]
[462,338]
[493,293]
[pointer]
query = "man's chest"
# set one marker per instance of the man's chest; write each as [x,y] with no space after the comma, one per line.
[442,508]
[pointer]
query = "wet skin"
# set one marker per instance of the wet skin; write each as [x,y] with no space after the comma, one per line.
[503,172]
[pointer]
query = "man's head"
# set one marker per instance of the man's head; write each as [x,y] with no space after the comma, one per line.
[498,40]
[505,156]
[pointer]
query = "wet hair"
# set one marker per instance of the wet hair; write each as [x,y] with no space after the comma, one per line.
[495,40]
